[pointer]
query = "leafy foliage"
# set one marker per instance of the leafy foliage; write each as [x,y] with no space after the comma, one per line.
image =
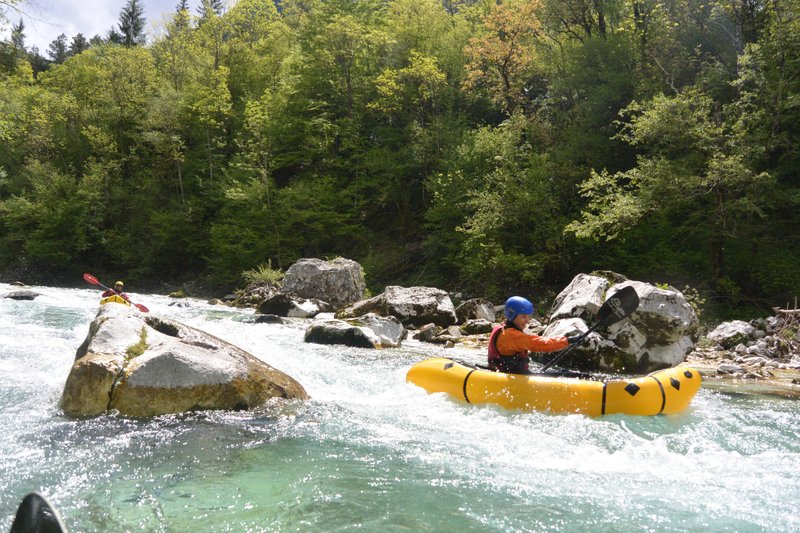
[486,147]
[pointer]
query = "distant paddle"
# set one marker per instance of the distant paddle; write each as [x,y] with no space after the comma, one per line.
[93,280]
[36,515]
[621,305]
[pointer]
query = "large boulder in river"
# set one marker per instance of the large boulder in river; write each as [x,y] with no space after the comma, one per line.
[413,306]
[659,334]
[144,365]
[339,282]
[581,298]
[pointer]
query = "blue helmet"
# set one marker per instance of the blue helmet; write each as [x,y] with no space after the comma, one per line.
[517,305]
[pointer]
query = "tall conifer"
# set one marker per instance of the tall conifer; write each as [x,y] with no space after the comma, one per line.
[182,15]
[78,45]
[57,50]
[18,36]
[209,8]
[131,23]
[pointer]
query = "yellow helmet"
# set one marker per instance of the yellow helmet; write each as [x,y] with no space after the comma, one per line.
[119,284]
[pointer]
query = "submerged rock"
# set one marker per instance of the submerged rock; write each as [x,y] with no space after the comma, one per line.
[289,305]
[145,365]
[21,295]
[368,331]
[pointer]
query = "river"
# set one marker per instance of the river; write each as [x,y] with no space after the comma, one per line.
[370,452]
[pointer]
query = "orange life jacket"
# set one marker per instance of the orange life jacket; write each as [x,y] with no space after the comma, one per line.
[516,363]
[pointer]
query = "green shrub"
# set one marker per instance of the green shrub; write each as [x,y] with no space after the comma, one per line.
[263,274]
[695,299]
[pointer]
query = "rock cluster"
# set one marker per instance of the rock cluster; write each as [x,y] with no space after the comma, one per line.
[658,335]
[310,286]
[758,349]
[663,332]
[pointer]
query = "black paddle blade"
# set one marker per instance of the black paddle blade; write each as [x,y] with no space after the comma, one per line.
[36,515]
[624,302]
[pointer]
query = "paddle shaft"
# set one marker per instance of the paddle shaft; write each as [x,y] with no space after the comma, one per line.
[572,346]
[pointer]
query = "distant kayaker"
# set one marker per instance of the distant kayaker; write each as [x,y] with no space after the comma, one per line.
[510,346]
[118,287]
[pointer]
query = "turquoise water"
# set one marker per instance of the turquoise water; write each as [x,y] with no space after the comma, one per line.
[370,452]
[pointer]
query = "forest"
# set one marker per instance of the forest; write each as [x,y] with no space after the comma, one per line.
[484,147]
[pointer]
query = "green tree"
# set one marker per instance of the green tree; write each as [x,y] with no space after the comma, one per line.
[175,52]
[426,27]
[208,103]
[412,99]
[78,45]
[244,234]
[341,52]
[131,24]
[18,37]
[209,9]
[57,50]
[112,87]
[181,18]
[698,166]
[210,34]
[493,211]
[251,20]
[503,59]
[13,51]
[113,36]
[258,44]
[57,219]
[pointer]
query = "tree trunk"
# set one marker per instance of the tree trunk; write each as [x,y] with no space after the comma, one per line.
[180,181]
[210,156]
[717,256]
[601,18]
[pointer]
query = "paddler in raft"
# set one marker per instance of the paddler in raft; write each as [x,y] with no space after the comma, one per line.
[510,346]
[118,287]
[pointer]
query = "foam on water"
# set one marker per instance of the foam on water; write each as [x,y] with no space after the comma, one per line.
[370,451]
